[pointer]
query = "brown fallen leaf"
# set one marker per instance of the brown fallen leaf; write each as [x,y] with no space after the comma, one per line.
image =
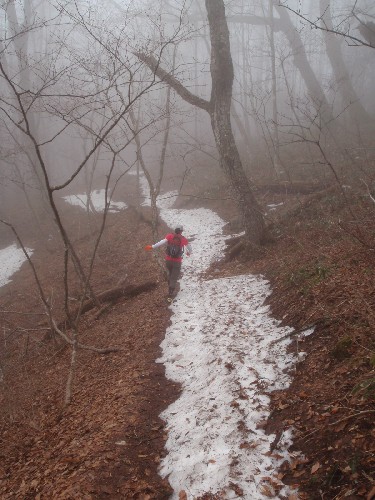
[371,494]
[299,461]
[246,445]
[341,426]
[315,467]
[299,473]
[182,495]
[267,491]
[236,488]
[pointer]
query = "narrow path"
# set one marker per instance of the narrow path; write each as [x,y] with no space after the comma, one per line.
[219,348]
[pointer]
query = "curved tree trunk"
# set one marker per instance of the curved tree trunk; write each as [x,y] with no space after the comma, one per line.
[219,110]
[221,99]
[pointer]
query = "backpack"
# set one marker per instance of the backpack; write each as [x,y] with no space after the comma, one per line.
[174,248]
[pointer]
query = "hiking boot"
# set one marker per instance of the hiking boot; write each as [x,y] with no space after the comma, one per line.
[170,295]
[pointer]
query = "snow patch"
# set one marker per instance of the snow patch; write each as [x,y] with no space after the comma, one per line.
[275,205]
[307,333]
[11,259]
[98,200]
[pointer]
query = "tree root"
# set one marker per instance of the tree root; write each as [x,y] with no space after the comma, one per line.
[240,247]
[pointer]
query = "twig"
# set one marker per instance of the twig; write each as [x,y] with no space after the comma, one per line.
[350,416]
[83,346]
[5,311]
[339,421]
[294,332]
[363,347]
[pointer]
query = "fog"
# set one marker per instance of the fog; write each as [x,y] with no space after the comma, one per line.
[78,99]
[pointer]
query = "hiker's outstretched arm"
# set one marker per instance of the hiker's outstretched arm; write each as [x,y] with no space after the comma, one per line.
[160,243]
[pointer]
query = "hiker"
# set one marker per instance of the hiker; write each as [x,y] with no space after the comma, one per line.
[173,255]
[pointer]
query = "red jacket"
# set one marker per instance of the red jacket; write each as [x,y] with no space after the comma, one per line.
[184,243]
[169,238]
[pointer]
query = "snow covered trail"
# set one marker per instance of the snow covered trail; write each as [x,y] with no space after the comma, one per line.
[219,348]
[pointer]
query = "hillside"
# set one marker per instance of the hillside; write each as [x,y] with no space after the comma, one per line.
[321,268]
[110,441]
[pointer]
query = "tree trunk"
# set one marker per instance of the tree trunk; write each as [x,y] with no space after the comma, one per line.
[357,111]
[21,40]
[302,64]
[221,98]
[219,110]
[275,138]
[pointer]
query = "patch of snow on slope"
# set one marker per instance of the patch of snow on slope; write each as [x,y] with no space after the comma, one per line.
[11,259]
[98,200]
[220,347]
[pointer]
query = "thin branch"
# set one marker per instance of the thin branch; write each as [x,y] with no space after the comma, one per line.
[358,41]
[86,347]
[180,89]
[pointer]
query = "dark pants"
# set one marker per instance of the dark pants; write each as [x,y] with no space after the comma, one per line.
[174,269]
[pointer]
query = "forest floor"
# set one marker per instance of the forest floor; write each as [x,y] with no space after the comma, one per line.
[109,442]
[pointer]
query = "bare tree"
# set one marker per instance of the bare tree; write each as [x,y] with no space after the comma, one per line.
[345,30]
[341,73]
[285,25]
[219,108]
[16,56]
[57,92]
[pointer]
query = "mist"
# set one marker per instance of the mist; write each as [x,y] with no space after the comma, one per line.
[250,124]
[73,69]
